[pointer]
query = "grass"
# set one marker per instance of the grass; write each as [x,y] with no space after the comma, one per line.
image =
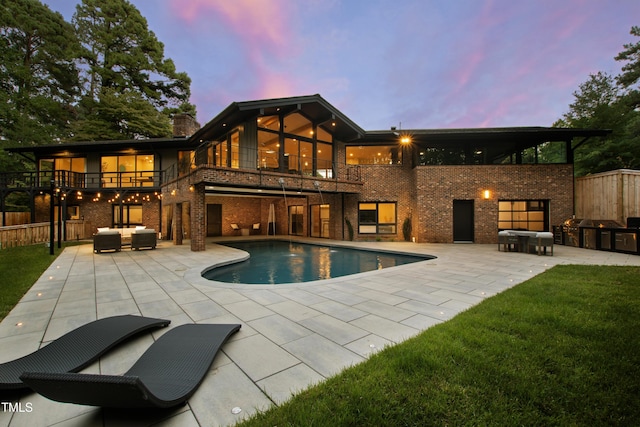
[561,349]
[20,267]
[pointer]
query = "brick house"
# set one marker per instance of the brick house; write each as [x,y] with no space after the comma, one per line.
[298,166]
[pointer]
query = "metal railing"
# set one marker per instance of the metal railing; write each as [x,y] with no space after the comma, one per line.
[77,180]
[264,160]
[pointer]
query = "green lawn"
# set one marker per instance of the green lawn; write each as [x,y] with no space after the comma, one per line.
[561,349]
[20,267]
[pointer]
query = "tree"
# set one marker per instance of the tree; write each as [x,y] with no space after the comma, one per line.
[607,102]
[38,77]
[630,76]
[125,66]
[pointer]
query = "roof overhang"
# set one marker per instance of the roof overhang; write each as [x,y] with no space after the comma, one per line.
[497,141]
[314,107]
[121,146]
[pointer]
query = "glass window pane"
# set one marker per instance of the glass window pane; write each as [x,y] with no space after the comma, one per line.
[297,124]
[374,155]
[367,229]
[387,213]
[323,135]
[235,150]
[367,206]
[291,154]
[269,122]
[269,150]
[135,214]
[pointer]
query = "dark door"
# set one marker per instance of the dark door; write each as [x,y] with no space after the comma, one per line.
[463,220]
[214,220]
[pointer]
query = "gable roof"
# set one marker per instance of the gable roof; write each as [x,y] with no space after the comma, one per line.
[314,107]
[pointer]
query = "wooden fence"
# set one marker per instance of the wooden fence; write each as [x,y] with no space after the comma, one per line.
[29,234]
[609,195]
[15,218]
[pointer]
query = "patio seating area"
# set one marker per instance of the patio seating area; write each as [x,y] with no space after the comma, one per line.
[292,336]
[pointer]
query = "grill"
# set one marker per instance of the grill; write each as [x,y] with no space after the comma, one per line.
[571,230]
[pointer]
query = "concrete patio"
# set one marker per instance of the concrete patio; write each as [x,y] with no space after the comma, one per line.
[292,336]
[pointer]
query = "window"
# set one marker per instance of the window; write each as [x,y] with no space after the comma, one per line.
[186,162]
[269,143]
[131,215]
[296,220]
[70,170]
[127,171]
[299,125]
[377,218]
[325,160]
[374,155]
[530,215]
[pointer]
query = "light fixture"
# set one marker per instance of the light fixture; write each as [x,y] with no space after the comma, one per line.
[486,194]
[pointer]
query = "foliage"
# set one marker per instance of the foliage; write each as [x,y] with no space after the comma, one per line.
[349,228]
[127,80]
[608,102]
[104,77]
[38,76]
[559,349]
[406,229]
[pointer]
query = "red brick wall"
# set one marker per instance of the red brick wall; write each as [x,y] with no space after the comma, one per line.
[438,186]
[385,183]
[426,195]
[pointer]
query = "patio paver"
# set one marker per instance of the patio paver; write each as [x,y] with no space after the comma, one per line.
[292,336]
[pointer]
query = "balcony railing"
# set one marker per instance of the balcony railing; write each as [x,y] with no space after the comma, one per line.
[77,180]
[264,161]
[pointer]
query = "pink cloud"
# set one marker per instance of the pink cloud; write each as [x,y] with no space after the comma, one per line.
[260,24]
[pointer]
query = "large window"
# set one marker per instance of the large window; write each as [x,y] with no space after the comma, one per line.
[268,150]
[127,171]
[374,155]
[377,218]
[70,170]
[530,215]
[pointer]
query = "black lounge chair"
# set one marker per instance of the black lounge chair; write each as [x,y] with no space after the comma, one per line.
[166,375]
[76,349]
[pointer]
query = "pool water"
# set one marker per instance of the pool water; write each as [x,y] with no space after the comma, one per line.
[277,262]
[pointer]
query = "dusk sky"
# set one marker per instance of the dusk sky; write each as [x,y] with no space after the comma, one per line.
[404,63]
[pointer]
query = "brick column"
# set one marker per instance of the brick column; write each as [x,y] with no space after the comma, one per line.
[177,224]
[198,218]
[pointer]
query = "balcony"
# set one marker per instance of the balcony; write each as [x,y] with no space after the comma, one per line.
[150,180]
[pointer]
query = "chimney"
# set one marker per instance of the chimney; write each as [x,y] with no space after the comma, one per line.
[184,125]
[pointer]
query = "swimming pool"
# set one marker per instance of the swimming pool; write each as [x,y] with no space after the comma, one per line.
[278,262]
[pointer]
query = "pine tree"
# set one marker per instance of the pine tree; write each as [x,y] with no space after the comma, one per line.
[123,69]
[38,77]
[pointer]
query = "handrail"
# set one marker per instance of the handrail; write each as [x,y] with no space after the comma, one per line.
[79,180]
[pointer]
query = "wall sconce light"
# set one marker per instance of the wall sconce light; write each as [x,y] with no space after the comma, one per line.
[191,188]
[486,194]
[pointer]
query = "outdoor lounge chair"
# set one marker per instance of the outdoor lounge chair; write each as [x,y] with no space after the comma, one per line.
[76,349]
[166,375]
[235,227]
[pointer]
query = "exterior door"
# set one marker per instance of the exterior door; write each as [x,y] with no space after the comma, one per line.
[463,220]
[214,220]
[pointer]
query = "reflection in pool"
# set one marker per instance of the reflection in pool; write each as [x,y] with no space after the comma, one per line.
[276,262]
